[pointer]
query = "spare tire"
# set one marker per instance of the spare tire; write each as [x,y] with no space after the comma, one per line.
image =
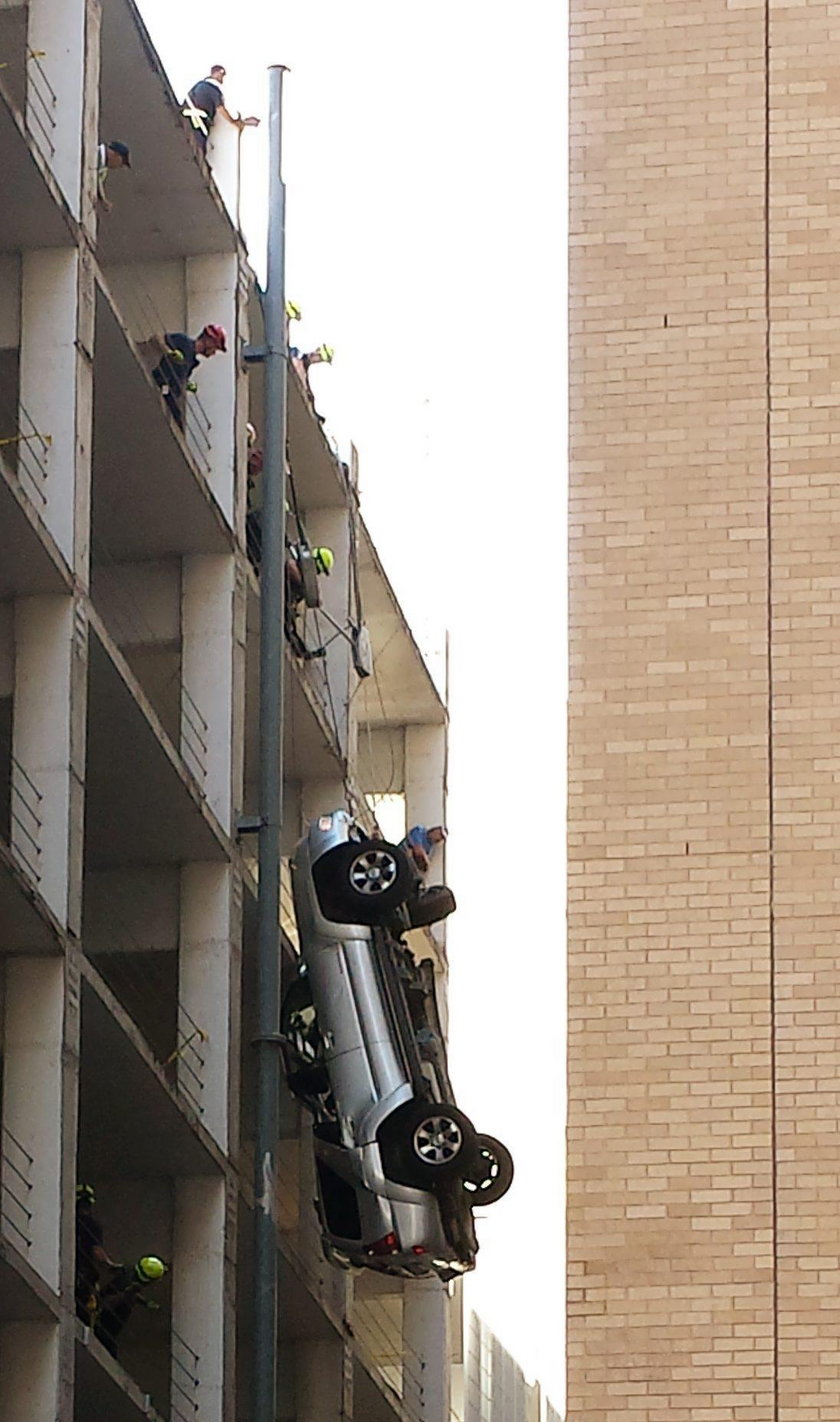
[490,1175]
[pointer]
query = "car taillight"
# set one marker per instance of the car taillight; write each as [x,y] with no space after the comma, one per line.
[388,1244]
[418,1249]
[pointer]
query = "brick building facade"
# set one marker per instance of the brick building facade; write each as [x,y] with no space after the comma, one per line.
[704,1152]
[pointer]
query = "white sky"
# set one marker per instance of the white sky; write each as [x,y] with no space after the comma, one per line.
[424,157]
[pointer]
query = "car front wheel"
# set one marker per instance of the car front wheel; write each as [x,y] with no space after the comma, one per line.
[362,882]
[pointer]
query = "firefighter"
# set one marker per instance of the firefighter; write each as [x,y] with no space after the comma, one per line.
[180,356]
[91,1255]
[119,1297]
[324,560]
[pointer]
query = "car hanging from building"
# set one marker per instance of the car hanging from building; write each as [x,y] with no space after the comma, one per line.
[399,1167]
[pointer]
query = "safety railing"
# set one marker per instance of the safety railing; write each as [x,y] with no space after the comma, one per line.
[190,1058]
[142,979]
[15,1189]
[185,1381]
[25,452]
[26,822]
[41,103]
[194,731]
[197,431]
[130,626]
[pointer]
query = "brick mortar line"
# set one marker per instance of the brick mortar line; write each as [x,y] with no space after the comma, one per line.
[774,1193]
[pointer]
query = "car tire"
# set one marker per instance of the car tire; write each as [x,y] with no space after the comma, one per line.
[362,882]
[427,1143]
[431,905]
[490,1174]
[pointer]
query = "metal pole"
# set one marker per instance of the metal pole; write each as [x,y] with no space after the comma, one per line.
[272,610]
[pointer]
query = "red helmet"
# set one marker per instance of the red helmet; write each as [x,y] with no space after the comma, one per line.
[217,334]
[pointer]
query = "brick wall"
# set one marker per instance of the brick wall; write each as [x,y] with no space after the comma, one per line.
[704,1151]
[805,425]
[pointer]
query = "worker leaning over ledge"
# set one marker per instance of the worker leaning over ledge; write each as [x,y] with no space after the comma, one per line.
[121,1295]
[204,101]
[109,156]
[179,355]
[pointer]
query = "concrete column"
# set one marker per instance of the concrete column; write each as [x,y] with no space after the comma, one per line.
[55,87]
[48,376]
[41,745]
[212,283]
[425,781]
[425,802]
[32,1108]
[85,323]
[320,1380]
[207,613]
[198,1298]
[29,1372]
[331,528]
[426,1333]
[223,155]
[204,991]
[90,115]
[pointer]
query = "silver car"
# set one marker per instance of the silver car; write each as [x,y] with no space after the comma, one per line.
[399,1167]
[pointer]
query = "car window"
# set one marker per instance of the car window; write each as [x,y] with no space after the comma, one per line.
[299,1021]
[341,1208]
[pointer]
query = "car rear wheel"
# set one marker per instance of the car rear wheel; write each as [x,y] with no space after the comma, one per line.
[426,1143]
[362,882]
[490,1174]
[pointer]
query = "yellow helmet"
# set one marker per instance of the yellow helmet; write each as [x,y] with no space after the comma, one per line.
[149,1268]
[326,353]
[324,560]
